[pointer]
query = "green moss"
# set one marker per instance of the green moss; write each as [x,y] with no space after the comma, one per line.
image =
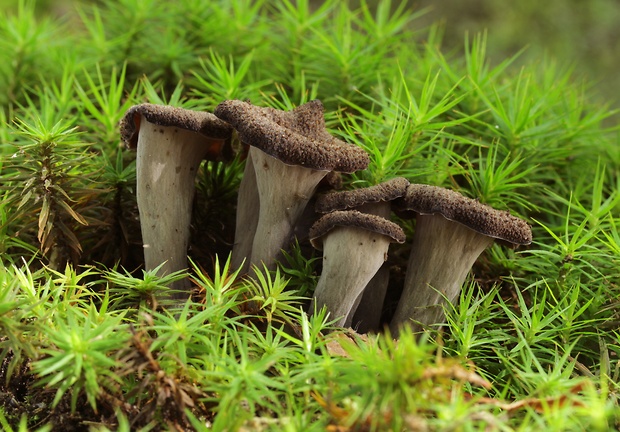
[531,343]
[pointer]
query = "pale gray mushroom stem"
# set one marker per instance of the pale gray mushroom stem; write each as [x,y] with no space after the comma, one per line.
[442,254]
[171,144]
[450,234]
[354,245]
[349,262]
[166,164]
[283,190]
[248,209]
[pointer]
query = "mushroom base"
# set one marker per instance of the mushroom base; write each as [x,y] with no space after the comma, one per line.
[351,257]
[442,254]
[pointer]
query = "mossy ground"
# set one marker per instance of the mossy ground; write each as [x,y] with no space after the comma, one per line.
[87,340]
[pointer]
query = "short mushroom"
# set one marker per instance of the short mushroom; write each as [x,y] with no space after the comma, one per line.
[368,307]
[291,152]
[354,245]
[451,232]
[171,143]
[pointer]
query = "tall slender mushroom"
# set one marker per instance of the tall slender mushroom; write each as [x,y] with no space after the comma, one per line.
[365,315]
[291,152]
[451,232]
[171,142]
[354,245]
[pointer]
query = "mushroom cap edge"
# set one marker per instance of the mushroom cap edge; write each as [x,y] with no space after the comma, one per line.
[349,199]
[203,123]
[354,218]
[482,218]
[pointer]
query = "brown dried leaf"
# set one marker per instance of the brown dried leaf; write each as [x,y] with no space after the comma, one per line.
[79,218]
[334,347]
[539,404]
[455,371]
[43,218]
[335,340]
[335,411]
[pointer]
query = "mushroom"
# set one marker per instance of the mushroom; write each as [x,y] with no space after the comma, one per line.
[354,245]
[451,232]
[291,152]
[366,312]
[171,142]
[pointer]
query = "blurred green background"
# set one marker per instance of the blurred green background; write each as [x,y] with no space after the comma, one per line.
[581,34]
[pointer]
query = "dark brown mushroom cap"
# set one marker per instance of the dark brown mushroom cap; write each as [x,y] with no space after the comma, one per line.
[295,137]
[353,218]
[343,200]
[498,224]
[200,122]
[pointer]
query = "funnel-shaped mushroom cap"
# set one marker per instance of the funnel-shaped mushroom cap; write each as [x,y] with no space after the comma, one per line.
[344,200]
[203,123]
[501,225]
[295,137]
[353,218]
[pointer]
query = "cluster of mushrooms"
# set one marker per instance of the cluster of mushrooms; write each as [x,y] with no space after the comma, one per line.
[290,154]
